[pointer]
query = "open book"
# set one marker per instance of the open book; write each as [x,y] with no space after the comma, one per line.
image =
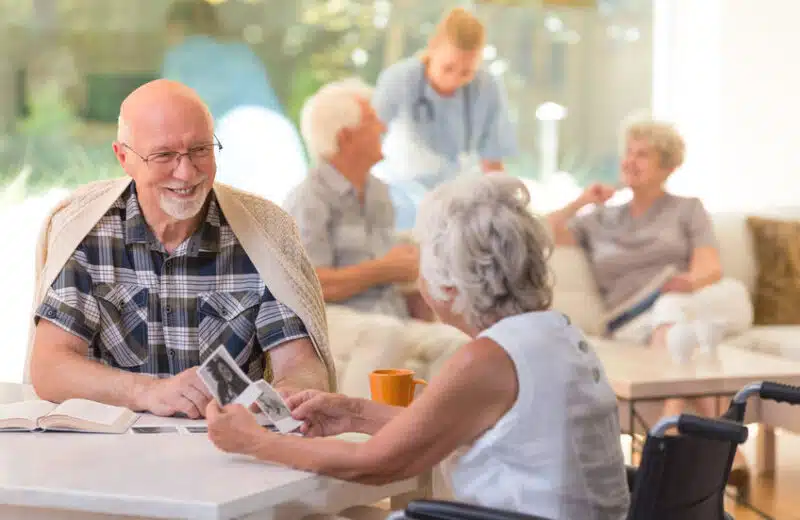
[639,302]
[75,415]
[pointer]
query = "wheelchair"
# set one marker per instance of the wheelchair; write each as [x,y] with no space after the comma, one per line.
[680,477]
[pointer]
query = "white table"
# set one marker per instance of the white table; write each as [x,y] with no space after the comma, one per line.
[642,378]
[70,476]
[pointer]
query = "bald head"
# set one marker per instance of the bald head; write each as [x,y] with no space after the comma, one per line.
[161,106]
[166,143]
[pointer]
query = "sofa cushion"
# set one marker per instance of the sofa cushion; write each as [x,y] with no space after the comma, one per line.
[777,250]
[575,293]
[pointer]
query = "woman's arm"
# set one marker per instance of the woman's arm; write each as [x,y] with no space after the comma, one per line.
[492,166]
[705,267]
[559,220]
[477,386]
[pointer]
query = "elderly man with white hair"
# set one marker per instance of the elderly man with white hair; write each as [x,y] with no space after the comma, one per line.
[525,407]
[346,222]
[141,278]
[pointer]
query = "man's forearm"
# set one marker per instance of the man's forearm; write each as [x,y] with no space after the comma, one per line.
[309,374]
[68,375]
[339,284]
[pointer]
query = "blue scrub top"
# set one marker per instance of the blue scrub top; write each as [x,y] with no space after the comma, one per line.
[225,74]
[493,136]
[444,136]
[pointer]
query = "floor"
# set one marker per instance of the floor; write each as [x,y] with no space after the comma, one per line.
[777,496]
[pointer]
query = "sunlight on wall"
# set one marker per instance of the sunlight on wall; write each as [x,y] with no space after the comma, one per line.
[18,277]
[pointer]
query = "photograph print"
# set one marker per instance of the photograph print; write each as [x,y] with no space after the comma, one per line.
[273,405]
[223,377]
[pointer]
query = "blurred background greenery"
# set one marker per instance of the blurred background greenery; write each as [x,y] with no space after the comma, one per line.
[68,64]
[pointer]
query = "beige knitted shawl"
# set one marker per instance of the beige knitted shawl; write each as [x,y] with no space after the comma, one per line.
[267,234]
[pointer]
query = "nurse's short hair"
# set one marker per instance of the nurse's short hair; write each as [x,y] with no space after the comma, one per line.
[333,107]
[460,28]
[195,16]
[662,136]
[478,236]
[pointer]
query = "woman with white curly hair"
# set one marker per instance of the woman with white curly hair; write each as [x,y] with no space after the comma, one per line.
[525,407]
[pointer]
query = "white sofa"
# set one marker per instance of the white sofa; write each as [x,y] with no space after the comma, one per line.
[576,295]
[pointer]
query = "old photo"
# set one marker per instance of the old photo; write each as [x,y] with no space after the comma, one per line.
[273,405]
[223,377]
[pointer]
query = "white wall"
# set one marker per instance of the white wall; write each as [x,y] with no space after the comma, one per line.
[726,72]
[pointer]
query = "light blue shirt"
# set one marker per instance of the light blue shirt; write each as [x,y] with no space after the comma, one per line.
[225,74]
[338,230]
[493,136]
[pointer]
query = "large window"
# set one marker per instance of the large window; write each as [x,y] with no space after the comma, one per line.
[572,74]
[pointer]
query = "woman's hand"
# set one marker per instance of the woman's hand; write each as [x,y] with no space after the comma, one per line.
[680,283]
[324,414]
[233,429]
[597,194]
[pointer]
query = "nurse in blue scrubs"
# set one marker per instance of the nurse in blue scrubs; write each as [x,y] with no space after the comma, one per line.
[445,115]
[262,150]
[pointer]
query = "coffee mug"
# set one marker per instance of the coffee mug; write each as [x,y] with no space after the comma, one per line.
[393,386]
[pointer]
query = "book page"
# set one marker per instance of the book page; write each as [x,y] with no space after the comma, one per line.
[90,411]
[30,410]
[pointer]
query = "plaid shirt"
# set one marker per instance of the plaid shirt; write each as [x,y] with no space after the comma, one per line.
[144,310]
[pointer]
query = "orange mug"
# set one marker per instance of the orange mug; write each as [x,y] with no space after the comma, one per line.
[393,386]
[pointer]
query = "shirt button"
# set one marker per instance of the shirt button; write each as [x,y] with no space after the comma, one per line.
[596,374]
[171,353]
[51,313]
[168,309]
[583,346]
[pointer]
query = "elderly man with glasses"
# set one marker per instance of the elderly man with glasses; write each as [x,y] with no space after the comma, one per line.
[140,279]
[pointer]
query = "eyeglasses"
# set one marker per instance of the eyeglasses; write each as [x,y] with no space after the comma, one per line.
[169,160]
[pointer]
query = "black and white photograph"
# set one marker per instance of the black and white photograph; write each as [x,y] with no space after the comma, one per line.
[272,404]
[155,429]
[223,377]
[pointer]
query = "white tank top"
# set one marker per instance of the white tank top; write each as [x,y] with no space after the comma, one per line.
[556,453]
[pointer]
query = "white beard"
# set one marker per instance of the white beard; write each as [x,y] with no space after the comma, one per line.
[183,209]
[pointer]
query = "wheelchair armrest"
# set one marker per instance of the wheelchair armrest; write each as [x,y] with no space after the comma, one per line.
[714,429]
[446,510]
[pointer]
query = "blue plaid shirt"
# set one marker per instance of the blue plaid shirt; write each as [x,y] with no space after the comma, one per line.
[144,310]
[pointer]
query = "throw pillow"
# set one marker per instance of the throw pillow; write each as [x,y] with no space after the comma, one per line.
[777,249]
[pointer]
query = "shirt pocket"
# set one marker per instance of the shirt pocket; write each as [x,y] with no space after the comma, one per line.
[227,318]
[351,243]
[123,322]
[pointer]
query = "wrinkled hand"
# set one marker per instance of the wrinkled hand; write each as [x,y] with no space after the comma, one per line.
[680,283]
[597,193]
[233,429]
[324,414]
[182,393]
[403,262]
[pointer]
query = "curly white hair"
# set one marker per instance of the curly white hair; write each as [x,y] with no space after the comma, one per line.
[478,236]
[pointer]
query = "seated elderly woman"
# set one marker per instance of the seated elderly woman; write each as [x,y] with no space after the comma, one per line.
[524,407]
[630,245]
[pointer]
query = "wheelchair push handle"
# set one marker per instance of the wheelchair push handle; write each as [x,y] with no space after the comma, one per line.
[780,393]
[713,429]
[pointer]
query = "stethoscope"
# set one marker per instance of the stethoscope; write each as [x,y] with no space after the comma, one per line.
[423,104]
